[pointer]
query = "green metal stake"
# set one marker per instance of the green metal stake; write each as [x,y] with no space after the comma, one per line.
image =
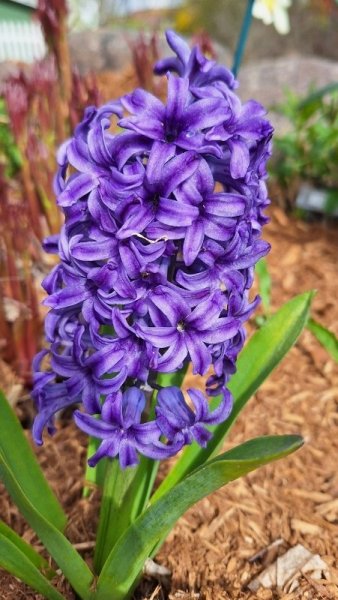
[243,36]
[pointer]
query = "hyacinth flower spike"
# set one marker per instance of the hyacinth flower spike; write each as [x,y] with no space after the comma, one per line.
[162,230]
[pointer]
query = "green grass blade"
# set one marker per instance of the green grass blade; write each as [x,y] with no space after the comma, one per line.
[70,562]
[17,563]
[32,555]
[261,355]
[20,458]
[124,564]
[325,337]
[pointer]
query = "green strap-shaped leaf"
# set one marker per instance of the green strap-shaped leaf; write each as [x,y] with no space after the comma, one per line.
[68,559]
[325,337]
[16,562]
[32,555]
[20,458]
[127,558]
[261,355]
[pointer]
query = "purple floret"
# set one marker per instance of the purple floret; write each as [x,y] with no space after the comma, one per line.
[161,234]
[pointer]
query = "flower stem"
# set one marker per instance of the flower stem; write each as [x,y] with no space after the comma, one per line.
[126,493]
[243,37]
[116,484]
[94,476]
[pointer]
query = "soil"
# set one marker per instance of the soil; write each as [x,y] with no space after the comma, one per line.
[222,543]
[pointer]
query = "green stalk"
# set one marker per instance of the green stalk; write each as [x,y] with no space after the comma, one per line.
[243,37]
[141,487]
[94,476]
[126,493]
[116,483]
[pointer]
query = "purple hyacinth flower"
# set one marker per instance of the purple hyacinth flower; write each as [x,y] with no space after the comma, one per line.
[163,174]
[180,122]
[121,430]
[180,424]
[216,213]
[194,65]
[49,396]
[188,331]
[245,124]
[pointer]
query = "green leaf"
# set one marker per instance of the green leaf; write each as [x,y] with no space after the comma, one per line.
[331,203]
[70,562]
[20,458]
[125,562]
[317,95]
[264,282]
[32,555]
[261,355]
[16,562]
[325,337]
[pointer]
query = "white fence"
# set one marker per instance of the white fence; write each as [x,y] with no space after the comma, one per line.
[21,41]
[124,7]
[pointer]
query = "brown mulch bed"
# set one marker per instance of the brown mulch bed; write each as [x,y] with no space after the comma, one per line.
[219,546]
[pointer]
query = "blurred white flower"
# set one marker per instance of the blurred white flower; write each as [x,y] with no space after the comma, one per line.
[273,12]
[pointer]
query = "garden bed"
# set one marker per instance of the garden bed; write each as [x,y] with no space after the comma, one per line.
[220,544]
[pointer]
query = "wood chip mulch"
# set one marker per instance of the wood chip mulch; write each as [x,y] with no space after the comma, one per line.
[222,543]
